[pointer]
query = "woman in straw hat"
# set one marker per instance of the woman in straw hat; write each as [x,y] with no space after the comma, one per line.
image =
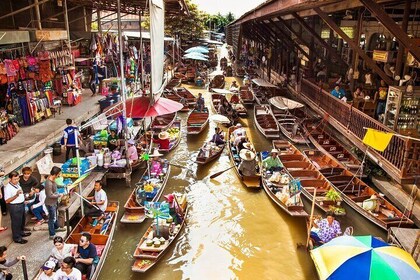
[163,140]
[272,162]
[248,165]
[132,154]
[156,164]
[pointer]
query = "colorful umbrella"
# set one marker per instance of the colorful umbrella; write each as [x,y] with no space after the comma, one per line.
[191,54]
[363,258]
[195,56]
[197,49]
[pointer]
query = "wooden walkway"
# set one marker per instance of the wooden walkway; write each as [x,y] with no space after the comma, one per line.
[407,239]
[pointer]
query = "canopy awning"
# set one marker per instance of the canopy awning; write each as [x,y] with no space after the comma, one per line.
[144,35]
[263,83]
[283,103]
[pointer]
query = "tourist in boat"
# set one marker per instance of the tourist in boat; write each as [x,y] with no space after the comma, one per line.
[47,271]
[7,263]
[156,167]
[163,140]
[239,130]
[218,137]
[239,142]
[39,208]
[199,105]
[61,250]
[328,229]
[234,99]
[113,140]
[132,154]
[99,199]
[86,254]
[68,270]
[234,87]
[338,92]
[272,162]
[248,165]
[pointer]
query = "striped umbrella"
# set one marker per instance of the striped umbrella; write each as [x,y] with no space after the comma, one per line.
[363,258]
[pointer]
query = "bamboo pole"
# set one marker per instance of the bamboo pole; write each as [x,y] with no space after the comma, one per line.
[311,219]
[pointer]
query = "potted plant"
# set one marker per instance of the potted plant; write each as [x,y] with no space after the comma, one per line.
[332,197]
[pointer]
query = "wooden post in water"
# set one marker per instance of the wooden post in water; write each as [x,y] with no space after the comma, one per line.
[25,271]
[311,219]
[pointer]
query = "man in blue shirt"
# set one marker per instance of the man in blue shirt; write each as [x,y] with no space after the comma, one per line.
[69,136]
[338,92]
[86,254]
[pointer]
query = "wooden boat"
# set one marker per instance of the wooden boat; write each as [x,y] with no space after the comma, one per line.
[290,126]
[216,99]
[134,209]
[281,194]
[265,122]
[218,81]
[174,136]
[236,102]
[214,153]
[174,82]
[333,148]
[197,121]
[102,234]
[147,256]
[240,72]
[246,96]
[355,192]
[182,95]
[300,167]
[190,75]
[248,181]
[162,123]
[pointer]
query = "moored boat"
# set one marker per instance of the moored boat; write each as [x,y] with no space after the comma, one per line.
[217,82]
[357,194]
[148,252]
[300,167]
[174,134]
[209,152]
[174,82]
[162,123]
[246,96]
[265,122]
[197,121]
[147,189]
[248,181]
[183,96]
[281,190]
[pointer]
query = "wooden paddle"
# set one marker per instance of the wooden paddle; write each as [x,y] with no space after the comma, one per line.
[311,219]
[220,172]
[177,165]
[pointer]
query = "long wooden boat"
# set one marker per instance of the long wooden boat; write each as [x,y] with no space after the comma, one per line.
[300,167]
[355,192]
[197,121]
[214,153]
[102,234]
[333,148]
[162,123]
[246,96]
[265,121]
[181,95]
[248,181]
[216,99]
[290,126]
[174,82]
[147,256]
[217,82]
[281,194]
[134,209]
[174,136]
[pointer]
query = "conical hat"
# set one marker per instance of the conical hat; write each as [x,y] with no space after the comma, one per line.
[247,155]
[156,153]
[163,135]
[247,145]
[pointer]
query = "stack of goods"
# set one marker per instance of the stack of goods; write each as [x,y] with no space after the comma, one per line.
[8,127]
[173,133]
[290,194]
[100,139]
[69,168]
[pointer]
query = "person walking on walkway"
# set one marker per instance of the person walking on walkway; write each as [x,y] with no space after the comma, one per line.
[13,194]
[4,274]
[69,138]
[51,200]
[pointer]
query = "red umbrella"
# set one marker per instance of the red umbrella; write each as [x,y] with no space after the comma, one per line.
[139,107]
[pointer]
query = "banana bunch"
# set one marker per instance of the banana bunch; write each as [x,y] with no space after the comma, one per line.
[173,132]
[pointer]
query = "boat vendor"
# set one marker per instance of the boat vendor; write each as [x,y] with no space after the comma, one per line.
[163,140]
[328,229]
[173,208]
[156,167]
[234,87]
[132,154]
[272,162]
[248,165]
[113,140]
[234,99]
[99,199]
[218,137]
[199,105]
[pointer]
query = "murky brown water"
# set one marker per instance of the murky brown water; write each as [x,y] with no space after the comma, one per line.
[231,232]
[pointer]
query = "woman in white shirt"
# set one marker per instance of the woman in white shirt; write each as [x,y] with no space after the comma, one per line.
[61,250]
[39,208]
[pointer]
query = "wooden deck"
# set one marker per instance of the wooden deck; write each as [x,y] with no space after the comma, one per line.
[405,238]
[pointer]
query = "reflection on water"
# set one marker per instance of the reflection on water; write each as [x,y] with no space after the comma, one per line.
[231,232]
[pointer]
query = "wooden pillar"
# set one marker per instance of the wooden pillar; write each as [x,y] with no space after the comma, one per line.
[98,16]
[401,50]
[355,57]
[38,15]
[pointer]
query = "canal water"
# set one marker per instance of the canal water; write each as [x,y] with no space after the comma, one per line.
[231,232]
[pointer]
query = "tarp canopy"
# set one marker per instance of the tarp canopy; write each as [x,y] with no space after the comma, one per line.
[144,35]
[157,20]
[283,103]
[263,83]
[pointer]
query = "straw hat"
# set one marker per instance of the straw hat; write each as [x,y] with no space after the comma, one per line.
[247,155]
[247,145]
[274,151]
[163,135]
[156,153]
[238,125]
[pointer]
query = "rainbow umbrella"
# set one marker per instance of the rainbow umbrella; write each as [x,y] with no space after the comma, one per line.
[363,258]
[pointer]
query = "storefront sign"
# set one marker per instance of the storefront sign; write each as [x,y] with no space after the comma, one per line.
[50,35]
[381,56]
[348,30]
